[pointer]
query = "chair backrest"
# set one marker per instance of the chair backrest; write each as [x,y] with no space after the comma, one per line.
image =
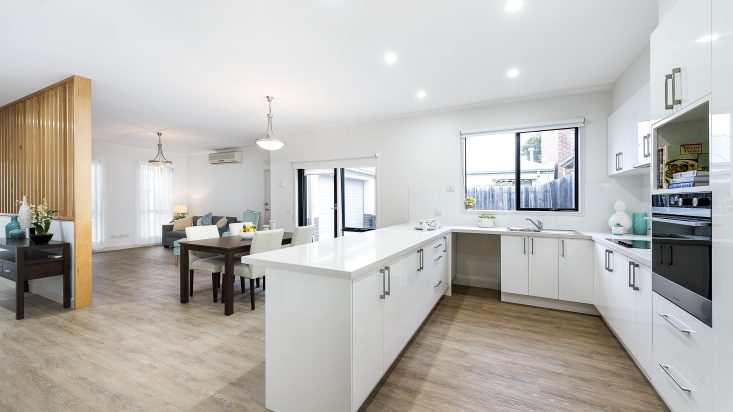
[263,242]
[303,235]
[235,228]
[252,216]
[202,232]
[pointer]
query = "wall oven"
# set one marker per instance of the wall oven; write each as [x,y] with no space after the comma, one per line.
[682,251]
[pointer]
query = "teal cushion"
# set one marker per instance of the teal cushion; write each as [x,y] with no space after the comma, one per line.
[206,220]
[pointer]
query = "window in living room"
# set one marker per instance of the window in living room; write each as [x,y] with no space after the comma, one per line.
[155,201]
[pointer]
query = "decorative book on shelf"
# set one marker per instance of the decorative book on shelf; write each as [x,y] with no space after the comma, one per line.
[682,165]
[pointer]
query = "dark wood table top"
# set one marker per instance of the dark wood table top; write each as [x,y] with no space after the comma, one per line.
[227,242]
[26,243]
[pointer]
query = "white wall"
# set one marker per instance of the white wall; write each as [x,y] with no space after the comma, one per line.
[119,188]
[227,189]
[424,149]
[631,80]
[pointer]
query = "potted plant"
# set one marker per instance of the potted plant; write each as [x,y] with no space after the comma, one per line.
[486,220]
[469,202]
[41,218]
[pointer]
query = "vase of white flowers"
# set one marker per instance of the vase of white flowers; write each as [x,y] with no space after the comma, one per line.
[41,218]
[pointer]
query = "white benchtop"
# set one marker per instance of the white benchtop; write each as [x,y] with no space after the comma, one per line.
[350,256]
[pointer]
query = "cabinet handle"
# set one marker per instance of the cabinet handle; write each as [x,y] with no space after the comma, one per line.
[532,240]
[389,280]
[675,100]
[562,244]
[383,294]
[667,78]
[671,256]
[419,260]
[610,257]
[445,244]
[634,265]
[438,258]
[605,263]
[668,370]
[437,284]
[438,245]
[646,141]
[619,161]
[677,323]
[524,245]
[6,270]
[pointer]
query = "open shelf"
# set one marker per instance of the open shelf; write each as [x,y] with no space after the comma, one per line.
[686,142]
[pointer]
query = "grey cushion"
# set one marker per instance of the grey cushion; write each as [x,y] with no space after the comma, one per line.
[206,220]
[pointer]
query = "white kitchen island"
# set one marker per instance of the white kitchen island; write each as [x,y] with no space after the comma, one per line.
[340,311]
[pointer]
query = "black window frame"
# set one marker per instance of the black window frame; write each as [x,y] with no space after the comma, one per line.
[518,173]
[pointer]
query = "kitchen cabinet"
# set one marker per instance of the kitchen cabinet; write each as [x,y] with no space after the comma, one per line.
[548,267]
[623,296]
[681,58]
[575,270]
[629,134]
[400,311]
[543,267]
[514,265]
[368,335]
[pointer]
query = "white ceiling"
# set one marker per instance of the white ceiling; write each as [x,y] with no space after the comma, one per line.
[199,70]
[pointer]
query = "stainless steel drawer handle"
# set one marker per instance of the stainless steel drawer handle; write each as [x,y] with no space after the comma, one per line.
[438,258]
[389,280]
[438,284]
[383,294]
[675,71]
[677,323]
[439,245]
[668,370]
[667,78]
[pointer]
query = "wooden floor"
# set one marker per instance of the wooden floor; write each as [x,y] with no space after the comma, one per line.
[138,348]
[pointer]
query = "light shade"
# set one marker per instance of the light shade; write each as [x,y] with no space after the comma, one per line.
[180,209]
[270,144]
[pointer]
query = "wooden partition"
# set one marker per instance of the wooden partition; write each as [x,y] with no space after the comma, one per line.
[45,153]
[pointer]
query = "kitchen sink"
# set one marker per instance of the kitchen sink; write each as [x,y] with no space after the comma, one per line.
[548,231]
[522,229]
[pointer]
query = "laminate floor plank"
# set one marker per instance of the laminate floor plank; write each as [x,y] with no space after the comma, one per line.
[138,349]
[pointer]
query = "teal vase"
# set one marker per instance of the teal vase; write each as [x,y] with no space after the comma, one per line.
[639,223]
[11,226]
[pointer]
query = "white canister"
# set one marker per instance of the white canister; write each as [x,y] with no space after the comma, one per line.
[273,225]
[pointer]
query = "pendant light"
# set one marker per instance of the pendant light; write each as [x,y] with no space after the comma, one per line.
[268,141]
[160,160]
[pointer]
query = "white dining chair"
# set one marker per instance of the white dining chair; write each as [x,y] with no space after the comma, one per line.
[263,241]
[303,235]
[204,261]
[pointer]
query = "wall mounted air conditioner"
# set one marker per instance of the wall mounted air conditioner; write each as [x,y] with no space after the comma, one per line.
[225,157]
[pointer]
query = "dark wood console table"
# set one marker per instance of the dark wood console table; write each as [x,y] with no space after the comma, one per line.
[21,261]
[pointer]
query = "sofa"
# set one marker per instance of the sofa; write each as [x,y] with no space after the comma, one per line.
[170,235]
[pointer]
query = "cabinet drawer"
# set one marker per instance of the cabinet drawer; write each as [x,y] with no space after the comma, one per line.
[680,389]
[7,270]
[438,246]
[684,337]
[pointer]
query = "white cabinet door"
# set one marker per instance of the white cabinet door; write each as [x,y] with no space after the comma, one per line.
[413,274]
[543,262]
[514,264]
[400,315]
[681,41]
[575,277]
[367,336]
[600,279]
[642,281]
[624,301]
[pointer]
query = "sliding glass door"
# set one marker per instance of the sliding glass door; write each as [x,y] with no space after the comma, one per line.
[337,201]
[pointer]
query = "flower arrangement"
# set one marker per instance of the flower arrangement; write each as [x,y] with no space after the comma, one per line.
[41,217]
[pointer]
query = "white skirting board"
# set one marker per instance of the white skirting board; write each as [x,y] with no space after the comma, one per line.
[550,303]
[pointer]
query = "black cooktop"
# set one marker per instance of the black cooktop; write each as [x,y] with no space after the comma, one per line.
[633,244]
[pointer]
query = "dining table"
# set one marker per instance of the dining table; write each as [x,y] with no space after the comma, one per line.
[229,247]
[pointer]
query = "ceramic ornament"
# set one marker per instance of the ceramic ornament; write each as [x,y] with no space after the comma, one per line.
[620,217]
[24,214]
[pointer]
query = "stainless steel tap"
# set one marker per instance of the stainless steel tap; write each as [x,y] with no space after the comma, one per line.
[538,224]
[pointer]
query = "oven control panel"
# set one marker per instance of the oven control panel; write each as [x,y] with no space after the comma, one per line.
[697,200]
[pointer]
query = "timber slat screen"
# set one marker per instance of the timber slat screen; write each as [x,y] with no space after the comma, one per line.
[37,150]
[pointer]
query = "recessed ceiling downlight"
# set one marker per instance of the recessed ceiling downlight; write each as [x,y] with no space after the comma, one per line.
[390,58]
[512,73]
[513,6]
[421,94]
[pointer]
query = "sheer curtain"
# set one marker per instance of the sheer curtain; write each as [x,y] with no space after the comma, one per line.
[155,201]
[97,231]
